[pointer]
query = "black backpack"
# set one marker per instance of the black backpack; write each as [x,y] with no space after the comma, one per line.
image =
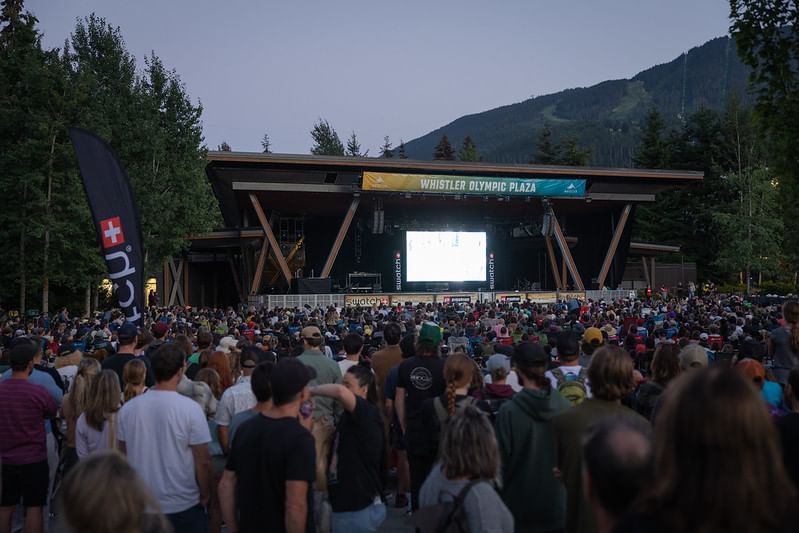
[445,517]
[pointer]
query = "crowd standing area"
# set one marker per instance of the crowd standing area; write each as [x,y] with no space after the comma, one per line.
[656,415]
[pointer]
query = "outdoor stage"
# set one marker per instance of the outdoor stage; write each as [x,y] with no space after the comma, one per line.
[310,223]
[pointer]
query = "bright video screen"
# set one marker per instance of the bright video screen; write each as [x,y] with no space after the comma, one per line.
[446,255]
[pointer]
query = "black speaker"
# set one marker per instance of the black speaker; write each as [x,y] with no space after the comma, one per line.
[312,285]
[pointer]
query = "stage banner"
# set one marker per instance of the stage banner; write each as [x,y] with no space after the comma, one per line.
[401,299]
[571,295]
[543,297]
[465,298]
[482,185]
[511,298]
[116,219]
[365,300]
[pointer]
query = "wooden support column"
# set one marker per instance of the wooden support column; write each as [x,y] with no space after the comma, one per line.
[614,244]
[553,262]
[564,277]
[270,237]
[186,282]
[259,269]
[646,271]
[565,252]
[342,232]
[291,255]
[235,273]
[166,290]
[176,296]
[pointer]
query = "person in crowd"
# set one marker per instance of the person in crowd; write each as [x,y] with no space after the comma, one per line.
[158,330]
[617,455]
[664,368]
[324,411]
[783,344]
[402,498]
[497,392]
[468,465]
[104,494]
[66,365]
[220,362]
[237,398]
[96,426]
[591,342]
[266,485]
[212,379]
[75,403]
[25,408]
[128,336]
[717,465]
[524,433]
[611,378]
[134,375]
[179,475]
[693,357]
[354,480]
[352,344]
[419,378]
[771,391]
[788,427]
[570,379]
[389,357]
[205,340]
[259,383]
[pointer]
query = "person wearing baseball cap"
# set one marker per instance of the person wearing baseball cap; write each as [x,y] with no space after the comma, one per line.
[592,339]
[128,336]
[525,433]
[326,410]
[419,378]
[266,485]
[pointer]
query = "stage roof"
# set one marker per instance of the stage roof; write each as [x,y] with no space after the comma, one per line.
[324,185]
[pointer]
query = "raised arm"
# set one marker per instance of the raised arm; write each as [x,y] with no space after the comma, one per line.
[337,392]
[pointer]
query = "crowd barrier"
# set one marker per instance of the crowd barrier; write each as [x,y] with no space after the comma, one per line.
[291,301]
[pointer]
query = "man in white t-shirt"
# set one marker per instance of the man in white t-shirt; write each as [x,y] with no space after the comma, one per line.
[352,344]
[237,398]
[165,437]
[570,379]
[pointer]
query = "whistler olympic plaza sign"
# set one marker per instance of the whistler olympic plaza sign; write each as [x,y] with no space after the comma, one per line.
[482,185]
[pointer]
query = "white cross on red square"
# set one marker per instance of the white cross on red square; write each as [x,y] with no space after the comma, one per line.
[111,229]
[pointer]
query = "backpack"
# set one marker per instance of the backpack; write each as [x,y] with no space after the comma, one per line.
[571,386]
[445,517]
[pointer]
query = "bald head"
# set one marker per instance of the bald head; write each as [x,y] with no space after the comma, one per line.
[617,458]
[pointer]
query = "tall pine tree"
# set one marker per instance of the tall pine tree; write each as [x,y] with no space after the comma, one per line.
[266,144]
[547,152]
[385,150]
[468,151]
[401,150]
[326,140]
[444,150]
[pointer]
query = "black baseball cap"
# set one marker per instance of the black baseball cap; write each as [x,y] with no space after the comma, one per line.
[127,332]
[529,354]
[289,377]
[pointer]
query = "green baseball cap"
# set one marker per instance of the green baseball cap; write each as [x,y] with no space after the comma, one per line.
[430,334]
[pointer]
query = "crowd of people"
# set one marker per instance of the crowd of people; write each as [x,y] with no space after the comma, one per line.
[664,414]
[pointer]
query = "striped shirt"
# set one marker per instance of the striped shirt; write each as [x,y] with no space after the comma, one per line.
[23,408]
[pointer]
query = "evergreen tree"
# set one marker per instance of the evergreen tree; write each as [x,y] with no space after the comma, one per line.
[354,147]
[468,151]
[652,151]
[326,140]
[266,144]
[547,153]
[444,150]
[401,150]
[385,150]
[224,147]
[572,155]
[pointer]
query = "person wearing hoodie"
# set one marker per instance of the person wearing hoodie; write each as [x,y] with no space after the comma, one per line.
[497,391]
[525,434]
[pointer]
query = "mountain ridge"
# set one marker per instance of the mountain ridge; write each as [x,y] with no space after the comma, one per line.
[604,117]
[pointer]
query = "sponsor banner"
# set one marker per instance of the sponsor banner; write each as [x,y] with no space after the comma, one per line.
[543,297]
[366,300]
[459,298]
[413,298]
[116,220]
[571,295]
[511,297]
[492,272]
[397,271]
[482,185]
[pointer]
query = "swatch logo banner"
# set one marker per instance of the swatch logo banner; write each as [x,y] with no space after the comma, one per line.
[116,219]
[491,272]
[479,185]
[397,271]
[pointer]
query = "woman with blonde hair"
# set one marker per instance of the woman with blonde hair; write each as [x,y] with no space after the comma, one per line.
[96,427]
[104,494]
[468,465]
[134,374]
[75,403]
[783,342]
[718,465]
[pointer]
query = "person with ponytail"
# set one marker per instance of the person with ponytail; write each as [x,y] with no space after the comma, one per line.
[134,375]
[96,427]
[354,475]
[783,343]
[525,434]
[75,403]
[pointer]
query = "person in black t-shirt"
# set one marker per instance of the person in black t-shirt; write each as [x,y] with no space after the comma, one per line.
[420,377]
[788,427]
[354,481]
[272,462]
[128,335]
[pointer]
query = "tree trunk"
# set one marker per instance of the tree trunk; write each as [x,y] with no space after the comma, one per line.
[88,301]
[96,301]
[47,218]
